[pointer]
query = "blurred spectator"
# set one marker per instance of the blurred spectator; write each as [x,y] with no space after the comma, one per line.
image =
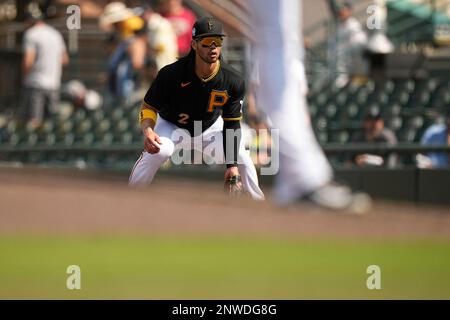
[182,20]
[376,132]
[79,96]
[162,39]
[436,134]
[44,54]
[128,58]
[349,45]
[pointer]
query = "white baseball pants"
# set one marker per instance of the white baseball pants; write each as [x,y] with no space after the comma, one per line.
[148,164]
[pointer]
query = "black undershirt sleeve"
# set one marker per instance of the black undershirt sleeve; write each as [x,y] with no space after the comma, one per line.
[231,141]
[232,114]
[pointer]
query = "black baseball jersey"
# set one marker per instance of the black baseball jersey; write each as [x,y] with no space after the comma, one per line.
[181,97]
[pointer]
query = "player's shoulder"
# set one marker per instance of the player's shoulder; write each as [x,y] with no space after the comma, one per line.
[173,70]
[232,76]
[172,67]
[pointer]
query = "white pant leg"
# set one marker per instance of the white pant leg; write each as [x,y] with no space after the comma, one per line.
[246,166]
[148,164]
[281,95]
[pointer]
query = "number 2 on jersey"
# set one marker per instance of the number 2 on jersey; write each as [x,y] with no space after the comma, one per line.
[183,118]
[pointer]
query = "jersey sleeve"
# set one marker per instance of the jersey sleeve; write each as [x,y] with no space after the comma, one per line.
[156,96]
[233,110]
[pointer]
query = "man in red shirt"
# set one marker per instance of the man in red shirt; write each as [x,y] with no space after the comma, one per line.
[182,20]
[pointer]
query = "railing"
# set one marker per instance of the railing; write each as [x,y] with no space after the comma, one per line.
[353,148]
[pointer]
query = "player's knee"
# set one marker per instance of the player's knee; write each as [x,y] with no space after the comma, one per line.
[166,149]
[165,152]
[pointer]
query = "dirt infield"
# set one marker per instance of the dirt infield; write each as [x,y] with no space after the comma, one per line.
[70,202]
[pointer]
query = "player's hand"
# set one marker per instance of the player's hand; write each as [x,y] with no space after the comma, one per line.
[152,142]
[231,172]
[233,185]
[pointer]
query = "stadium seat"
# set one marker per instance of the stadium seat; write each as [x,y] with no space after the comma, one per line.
[107,139]
[126,138]
[49,139]
[15,132]
[331,111]
[401,97]
[117,114]
[351,112]
[312,109]
[391,110]
[103,127]
[121,132]
[88,139]
[98,116]
[419,100]
[79,115]
[441,99]
[3,129]
[388,87]
[45,132]
[321,123]
[322,137]
[32,139]
[83,128]
[395,123]
[65,132]
[137,132]
[426,85]
[370,87]
[133,115]
[341,99]
[362,97]
[341,137]
[408,135]
[373,108]
[405,85]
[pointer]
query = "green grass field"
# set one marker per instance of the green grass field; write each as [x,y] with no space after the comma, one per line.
[219,267]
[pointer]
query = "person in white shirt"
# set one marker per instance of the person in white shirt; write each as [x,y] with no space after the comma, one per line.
[162,38]
[350,42]
[44,54]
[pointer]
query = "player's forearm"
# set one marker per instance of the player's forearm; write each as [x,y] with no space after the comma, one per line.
[231,141]
[147,123]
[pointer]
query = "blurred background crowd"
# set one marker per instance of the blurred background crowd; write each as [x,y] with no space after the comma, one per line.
[378,73]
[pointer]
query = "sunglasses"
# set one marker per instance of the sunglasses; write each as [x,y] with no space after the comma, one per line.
[208,41]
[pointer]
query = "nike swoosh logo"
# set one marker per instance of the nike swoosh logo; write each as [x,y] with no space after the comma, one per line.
[185,84]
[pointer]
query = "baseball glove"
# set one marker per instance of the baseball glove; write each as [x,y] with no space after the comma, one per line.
[233,186]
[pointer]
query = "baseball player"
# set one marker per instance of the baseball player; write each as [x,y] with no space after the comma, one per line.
[198,88]
[304,170]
